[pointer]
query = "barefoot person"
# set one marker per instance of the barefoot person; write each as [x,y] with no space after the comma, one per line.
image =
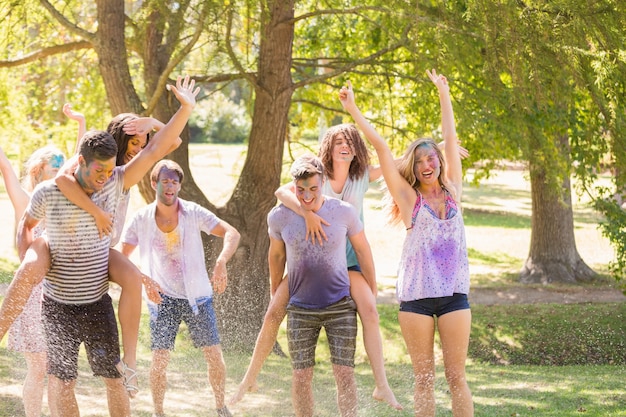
[76,308]
[137,155]
[348,174]
[26,333]
[433,277]
[168,233]
[319,285]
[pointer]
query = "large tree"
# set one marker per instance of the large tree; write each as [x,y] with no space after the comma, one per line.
[251,41]
[530,55]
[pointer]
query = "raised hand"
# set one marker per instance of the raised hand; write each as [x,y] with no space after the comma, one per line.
[184,91]
[139,126]
[346,97]
[71,114]
[440,81]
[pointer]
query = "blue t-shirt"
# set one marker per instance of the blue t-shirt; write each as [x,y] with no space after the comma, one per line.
[318,275]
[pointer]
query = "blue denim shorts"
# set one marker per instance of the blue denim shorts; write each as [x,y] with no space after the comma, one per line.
[436,306]
[165,319]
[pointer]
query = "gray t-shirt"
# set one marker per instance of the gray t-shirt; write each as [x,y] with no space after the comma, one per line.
[318,275]
[79,257]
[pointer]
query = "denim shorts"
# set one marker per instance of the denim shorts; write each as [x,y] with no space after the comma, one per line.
[436,306]
[165,319]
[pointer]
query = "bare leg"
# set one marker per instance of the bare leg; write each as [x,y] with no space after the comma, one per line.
[62,397]
[265,341]
[302,392]
[124,273]
[119,404]
[217,373]
[366,307]
[30,273]
[346,390]
[32,393]
[419,335]
[454,331]
[158,378]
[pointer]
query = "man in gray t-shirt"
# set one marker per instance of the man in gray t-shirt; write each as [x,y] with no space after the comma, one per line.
[319,286]
[76,307]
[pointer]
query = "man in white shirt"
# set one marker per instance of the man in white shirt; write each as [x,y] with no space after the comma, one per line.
[168,233]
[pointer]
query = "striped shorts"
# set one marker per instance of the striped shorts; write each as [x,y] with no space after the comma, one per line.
[303,329]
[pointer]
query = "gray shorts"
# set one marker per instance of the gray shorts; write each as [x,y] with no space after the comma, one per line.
[66,326]
[303,329]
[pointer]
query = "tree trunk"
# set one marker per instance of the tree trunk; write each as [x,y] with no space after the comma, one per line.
[112,58]
[241,308]
[553,255]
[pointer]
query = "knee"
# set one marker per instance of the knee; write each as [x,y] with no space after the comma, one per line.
[425,381]
[455,378]
[368,314]
[275,313]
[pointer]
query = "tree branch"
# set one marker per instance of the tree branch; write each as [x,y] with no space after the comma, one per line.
[43,53]
[354,10]
[231,53]
[177,59]
[353,64]
[66,23]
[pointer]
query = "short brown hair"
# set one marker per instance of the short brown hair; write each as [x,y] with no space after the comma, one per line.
[306,166]
[169,165]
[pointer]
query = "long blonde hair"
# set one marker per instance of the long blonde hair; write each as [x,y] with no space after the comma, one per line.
[34,166]
[406,167]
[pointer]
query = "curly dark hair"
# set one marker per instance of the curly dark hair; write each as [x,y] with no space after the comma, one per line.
[360,163]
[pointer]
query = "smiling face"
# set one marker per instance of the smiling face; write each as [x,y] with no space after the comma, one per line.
[134,146]
[94,175]
[309,192]
[167,186]
[343,151]
[427,166]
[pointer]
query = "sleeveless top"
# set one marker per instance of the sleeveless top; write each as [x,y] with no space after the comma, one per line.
[434,260]
[353,192]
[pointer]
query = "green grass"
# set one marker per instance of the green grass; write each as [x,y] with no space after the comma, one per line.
[512,369]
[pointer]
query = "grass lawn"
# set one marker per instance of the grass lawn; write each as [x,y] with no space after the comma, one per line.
[525,360]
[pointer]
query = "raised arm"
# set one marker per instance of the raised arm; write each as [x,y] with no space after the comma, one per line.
[286,195]
[400,189]
[454,172]
[78,117]
[231,241]
[18,196]
[167,137]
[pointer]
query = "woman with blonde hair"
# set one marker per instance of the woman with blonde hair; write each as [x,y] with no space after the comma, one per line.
[433,277]
[26,334]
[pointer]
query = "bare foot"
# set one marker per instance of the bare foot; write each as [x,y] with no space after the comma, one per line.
[387,396]
[241,391]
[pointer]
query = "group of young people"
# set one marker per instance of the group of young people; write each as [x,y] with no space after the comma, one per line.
[316,234]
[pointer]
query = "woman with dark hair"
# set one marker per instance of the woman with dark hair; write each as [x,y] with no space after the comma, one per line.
[348,173]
